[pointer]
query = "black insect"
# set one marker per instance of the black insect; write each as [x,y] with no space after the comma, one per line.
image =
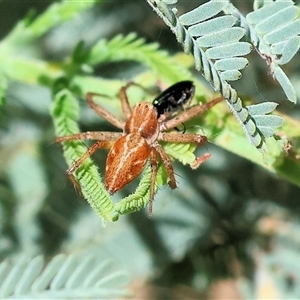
[174,97]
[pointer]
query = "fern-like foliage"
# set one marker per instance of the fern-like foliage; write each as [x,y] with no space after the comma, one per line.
[55,14]
[129,47]
[65,114]
[219,37]
[277,29]
[71,277]
[139,199]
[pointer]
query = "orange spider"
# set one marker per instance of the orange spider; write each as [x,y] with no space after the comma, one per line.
[140,140]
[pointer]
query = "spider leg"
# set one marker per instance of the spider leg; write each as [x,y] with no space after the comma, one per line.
[189,114]
[188,138]
[90,135]
[168,164]
[71,170]
[101,111]
[124,98]
[182,138]
[199,160]
[153,163]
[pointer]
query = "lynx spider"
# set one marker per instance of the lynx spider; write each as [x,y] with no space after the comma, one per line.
[139,141]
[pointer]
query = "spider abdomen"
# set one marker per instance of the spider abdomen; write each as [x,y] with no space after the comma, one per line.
[125,161]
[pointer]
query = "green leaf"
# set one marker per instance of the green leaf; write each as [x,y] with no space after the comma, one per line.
[285,82]
[267,10]
[56,14]
[285,32]
[231,75]
[182,152]
[211,26]
[229,50]
[141,196]
[286,50]
[129,47]
[205,59]
[225,36]
[267,124]
[202,12]
[277,30]
[139,199]
[276,20]
[212,33]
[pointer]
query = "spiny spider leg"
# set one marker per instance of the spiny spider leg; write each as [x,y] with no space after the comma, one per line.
[126,108]
[168,164]
[189,114]
[182,138]
[199,160]
[70,171]
[153,163]
[124,99]
[187,138]
[101,111]
[90,135]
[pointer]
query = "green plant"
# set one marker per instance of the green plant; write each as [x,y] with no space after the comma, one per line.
[69,79]
[63,276]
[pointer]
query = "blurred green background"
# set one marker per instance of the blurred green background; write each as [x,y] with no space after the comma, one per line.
[231,228]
